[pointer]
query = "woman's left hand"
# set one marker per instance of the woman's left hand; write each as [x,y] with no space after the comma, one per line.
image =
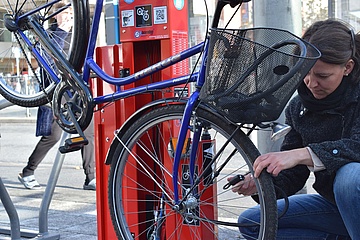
[246,187]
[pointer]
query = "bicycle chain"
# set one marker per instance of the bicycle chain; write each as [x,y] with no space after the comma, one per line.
[32,69]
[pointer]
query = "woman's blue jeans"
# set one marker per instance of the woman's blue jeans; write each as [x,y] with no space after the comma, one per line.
[310,216]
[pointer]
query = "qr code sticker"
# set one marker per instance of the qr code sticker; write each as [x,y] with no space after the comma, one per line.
[160,15]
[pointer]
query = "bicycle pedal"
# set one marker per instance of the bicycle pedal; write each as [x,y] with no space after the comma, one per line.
[73,144]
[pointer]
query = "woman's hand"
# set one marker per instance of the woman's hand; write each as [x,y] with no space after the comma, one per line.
[275,162]
[246,187]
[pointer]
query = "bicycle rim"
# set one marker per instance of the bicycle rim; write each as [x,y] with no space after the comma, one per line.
[140,188]
[23,83]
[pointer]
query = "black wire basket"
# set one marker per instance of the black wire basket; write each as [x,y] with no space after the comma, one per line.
[252,73]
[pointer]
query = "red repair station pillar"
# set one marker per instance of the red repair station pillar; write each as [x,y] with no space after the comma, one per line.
[150,31]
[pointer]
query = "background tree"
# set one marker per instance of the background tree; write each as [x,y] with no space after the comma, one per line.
[313,10]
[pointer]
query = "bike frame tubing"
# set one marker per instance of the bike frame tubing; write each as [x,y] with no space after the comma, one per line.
[90,64]
[33,11]
[188,112]
[40,59]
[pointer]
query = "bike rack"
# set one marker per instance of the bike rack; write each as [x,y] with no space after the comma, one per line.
[43,233]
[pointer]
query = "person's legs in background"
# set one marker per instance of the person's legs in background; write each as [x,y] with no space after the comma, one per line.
[27,177]
[45,143]
[88,158]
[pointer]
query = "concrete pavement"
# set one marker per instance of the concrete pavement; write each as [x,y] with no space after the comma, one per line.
[72,210]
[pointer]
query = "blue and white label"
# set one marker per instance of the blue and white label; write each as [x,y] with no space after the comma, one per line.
[179,4]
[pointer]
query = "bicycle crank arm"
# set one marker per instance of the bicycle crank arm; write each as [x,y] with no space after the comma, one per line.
[75,143]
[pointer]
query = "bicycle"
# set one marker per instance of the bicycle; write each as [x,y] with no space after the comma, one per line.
[171,162]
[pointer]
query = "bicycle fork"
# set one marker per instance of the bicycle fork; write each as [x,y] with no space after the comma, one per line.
[181,141]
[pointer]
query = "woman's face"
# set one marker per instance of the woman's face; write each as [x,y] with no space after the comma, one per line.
[324,78]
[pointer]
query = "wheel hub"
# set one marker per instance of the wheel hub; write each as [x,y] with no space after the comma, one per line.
[10,23]
[187,205]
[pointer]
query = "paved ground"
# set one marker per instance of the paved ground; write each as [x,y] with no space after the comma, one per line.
[72,211]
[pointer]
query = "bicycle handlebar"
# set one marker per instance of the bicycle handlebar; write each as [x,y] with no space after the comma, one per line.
[219,7]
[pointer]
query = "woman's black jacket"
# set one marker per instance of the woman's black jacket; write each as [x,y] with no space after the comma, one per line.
[333,135]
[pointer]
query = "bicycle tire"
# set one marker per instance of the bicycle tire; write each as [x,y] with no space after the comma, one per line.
[135,187]
[37,89]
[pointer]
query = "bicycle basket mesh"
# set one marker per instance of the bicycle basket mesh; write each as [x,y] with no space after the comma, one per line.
[252,73]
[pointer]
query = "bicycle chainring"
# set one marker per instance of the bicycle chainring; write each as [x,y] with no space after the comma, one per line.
[68,96]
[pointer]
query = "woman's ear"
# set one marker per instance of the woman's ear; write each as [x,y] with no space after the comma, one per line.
[349,66]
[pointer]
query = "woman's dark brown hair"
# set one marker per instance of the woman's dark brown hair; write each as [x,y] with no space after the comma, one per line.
[337,43]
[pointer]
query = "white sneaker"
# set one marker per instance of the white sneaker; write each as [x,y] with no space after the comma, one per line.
[91,185]
[29,182]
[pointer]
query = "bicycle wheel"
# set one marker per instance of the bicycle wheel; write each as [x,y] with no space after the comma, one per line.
[141,196]
[23,82]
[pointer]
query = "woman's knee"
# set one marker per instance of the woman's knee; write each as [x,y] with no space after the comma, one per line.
[248,223]
[347,181]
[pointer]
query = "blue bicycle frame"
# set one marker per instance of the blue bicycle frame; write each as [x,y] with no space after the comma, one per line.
[91,65]
[198,77]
